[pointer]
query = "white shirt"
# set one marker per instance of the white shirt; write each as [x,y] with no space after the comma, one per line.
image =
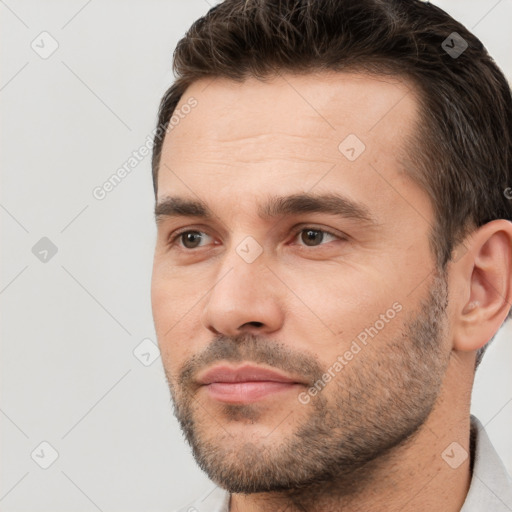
[490,489]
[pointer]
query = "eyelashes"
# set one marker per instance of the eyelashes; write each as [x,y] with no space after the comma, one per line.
[176,239]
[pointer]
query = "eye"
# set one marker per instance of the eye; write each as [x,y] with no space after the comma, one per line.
[313,237]
[310,236]
[190,239]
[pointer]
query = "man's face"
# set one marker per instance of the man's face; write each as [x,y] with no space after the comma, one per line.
[343,304]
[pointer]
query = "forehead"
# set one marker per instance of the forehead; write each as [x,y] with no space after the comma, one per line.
[331,103]
[259,134]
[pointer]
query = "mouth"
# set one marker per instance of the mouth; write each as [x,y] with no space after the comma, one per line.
[245,384]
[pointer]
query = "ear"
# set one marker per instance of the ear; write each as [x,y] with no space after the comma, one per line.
[483,280]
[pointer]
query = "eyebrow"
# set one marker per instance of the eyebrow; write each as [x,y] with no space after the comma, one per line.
[275,206]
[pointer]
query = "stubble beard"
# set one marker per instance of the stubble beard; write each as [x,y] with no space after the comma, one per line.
[378,402]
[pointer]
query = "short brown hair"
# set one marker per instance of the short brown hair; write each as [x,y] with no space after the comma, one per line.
[461,152]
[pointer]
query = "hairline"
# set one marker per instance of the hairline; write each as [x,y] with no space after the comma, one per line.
[411,148]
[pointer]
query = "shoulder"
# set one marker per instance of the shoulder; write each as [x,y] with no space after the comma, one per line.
[491,485]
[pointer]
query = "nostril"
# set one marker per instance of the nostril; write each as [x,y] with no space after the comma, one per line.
[256,324]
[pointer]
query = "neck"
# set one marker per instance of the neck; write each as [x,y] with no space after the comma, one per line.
[421,474]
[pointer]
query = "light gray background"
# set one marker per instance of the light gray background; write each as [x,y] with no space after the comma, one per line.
[69,326]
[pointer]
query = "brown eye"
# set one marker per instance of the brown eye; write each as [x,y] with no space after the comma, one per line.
[313,237]
[191,239]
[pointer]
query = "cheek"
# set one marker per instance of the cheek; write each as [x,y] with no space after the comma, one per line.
[175,309]
[340,300]
[171,296]
[161,303]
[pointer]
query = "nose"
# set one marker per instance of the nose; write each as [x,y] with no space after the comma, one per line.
[244,298]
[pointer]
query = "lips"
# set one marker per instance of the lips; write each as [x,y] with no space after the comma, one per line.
[245,384]
[245,373]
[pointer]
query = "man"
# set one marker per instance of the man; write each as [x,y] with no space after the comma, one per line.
[333,254]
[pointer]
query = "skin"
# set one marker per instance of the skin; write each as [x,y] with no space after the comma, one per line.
[378,430]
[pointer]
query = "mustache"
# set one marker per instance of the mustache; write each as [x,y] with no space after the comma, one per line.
[255,349]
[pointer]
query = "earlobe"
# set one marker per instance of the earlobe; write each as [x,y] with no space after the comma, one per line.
[484,275]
